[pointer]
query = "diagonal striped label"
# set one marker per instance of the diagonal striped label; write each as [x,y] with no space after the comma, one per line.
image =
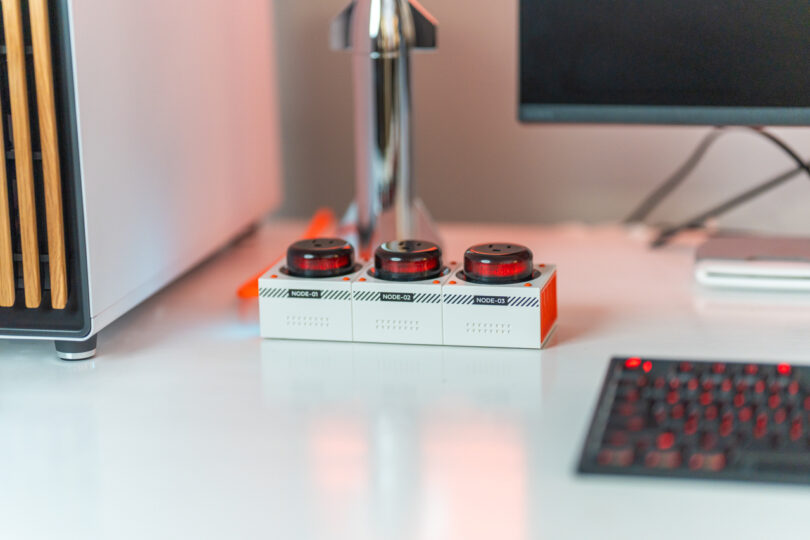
[420,298]
[471,299]
[310,294]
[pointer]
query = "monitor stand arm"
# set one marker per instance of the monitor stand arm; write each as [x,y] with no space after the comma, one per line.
[381,35]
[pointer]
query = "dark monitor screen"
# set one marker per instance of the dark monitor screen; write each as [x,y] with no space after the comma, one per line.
[732,62]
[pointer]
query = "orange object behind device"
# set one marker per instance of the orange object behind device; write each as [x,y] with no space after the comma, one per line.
[318,225]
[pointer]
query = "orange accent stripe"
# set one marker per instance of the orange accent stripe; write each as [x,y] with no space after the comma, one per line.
[318,225]
[548,307]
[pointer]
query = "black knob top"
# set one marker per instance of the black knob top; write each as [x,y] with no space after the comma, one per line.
[407,260]
[498,263]
[320,257]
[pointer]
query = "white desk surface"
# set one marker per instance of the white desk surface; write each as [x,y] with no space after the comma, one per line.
[187,425]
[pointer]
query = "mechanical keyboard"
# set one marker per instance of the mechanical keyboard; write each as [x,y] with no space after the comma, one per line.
[722,420]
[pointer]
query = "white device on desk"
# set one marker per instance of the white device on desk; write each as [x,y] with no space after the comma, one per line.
[157,145]
[754,263]
[309,294]
[398,297]
[499,299]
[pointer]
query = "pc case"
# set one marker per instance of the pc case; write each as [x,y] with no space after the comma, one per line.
[139,138]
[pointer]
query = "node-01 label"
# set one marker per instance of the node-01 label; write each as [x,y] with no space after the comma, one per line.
[491,300]
[303,293]
[396,297]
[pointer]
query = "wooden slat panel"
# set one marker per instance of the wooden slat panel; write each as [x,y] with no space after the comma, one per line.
[18,90]
[43,71]
[7,285]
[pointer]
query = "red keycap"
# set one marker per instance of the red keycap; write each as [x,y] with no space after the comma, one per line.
[745,414]
[666,440]
[690,427]
[705,398]
[779,416]
[793,388]
[774,401]
[652,459]
[677,411]
[692,385]
[624,457]
[618,438]
[708,441]
[759,387]
[725,428]
[726,385]
[626,409]
[739,400]
[719,368]
[751,369]
[635,423]
[696,462]
[796,431]
[716,462]
[671,459]
[672,397]
[711,412]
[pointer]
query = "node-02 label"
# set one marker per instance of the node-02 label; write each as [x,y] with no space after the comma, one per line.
[411,298]
[396,297]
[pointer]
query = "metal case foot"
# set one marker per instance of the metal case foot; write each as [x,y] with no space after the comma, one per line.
[76,350]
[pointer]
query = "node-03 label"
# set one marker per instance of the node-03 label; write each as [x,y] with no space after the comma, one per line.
[481,300]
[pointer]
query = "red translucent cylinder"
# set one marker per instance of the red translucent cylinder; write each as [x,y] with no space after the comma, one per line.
[320,258]
[407,260]
[498,263]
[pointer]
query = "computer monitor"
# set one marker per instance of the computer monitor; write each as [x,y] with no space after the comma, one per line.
[706,62]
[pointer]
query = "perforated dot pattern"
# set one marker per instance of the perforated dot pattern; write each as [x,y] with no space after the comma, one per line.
[306,321]
[488,328]
[397,325]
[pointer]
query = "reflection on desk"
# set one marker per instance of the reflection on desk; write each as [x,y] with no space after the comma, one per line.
[409,435]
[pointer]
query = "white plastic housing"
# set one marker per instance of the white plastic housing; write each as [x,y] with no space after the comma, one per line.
[305,308]
[521,315]
[397,312]
[752,274]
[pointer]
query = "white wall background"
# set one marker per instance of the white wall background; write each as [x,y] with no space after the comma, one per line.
[474,161]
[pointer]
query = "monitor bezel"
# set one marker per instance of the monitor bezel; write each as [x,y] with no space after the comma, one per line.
[681,115]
